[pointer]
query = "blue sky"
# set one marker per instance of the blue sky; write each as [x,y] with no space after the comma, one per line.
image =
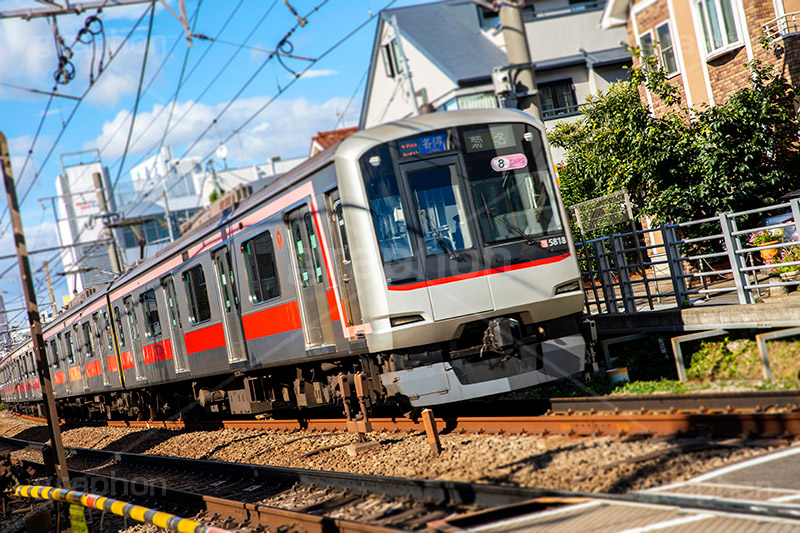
[321,99]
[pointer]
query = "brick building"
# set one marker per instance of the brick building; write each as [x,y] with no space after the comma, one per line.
[704,45]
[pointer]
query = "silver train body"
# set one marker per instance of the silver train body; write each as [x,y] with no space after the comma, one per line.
[431,256]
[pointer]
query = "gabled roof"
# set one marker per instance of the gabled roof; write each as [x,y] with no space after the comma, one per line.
[462,52]
[615,14]
[441,31]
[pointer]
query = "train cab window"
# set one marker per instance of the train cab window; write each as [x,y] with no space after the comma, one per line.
[197,291]
[120,332]
[151,321]
[438,201]
[385,204]
[54,354]
[511,183]
[262,274]
[70,347]
[88,345]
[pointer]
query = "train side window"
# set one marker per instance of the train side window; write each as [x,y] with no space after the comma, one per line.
[120,332]
[54,353]
[195,283]
[87,339]
[262,274]
[109,336]
[76,341]
[70,347]
[312,236]
[97,338]
[150,308]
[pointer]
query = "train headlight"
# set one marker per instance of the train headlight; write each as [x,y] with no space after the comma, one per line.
[572,286]
[403,320]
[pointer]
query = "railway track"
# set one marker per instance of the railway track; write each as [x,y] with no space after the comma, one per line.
[271,496]
[261,498]
[759,413]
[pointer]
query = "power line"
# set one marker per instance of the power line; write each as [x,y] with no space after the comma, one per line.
[208,86]
[281,90]
[138,92]
[74,111]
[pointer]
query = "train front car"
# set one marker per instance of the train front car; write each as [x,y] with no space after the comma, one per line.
[466,269]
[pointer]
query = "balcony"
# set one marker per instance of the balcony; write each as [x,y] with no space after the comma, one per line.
[782,27]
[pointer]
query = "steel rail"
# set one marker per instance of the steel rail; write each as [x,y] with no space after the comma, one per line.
[617,422]
[529,497]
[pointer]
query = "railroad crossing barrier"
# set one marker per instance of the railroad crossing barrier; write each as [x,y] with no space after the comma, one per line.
[117,507]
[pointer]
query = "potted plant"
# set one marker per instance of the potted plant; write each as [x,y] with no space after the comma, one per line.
[765,238]
[789,272]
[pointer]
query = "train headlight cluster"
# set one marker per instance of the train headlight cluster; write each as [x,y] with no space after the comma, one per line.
[572,286]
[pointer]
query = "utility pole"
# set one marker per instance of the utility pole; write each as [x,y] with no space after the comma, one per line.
[50,292]
[42,365]
[113,254]
[519,56]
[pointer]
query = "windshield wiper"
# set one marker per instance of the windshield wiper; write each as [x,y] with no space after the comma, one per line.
[439,238]
[513,227]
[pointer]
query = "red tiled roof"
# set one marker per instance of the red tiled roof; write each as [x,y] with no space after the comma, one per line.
[326,139]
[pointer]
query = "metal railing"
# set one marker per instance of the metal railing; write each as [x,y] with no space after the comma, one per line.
[677,265]
[783,26]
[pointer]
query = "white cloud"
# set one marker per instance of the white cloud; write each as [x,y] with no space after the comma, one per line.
[284,128]
[320,73]
[28,55]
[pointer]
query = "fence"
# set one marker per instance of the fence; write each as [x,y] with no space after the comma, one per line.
[678,264]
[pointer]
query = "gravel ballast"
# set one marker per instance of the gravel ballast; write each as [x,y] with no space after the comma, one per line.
[600,464]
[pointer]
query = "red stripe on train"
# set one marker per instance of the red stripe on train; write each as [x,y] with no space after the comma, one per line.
[208,338]
[112,364]
[58,378]
[271,321]
[93,369]
[127,360]
[478,274]
[332,307]
[158,351]
[75,374]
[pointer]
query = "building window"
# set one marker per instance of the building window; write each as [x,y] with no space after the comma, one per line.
[195,284]
[668,60]
[557,98]
[719,24]
[152,323]
[386,55]
[646,45]
[262,275]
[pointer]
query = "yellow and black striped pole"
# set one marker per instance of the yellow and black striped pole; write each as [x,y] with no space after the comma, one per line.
[128,510]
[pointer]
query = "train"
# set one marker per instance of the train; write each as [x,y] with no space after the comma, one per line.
[422,262]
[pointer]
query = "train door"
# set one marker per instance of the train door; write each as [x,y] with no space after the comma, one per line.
[447,235]
[344,263]
[136,339]
[310,280]
[175,324]
[229,298]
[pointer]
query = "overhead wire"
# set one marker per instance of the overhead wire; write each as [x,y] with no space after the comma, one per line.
[281,90]
[138,91]
[72,115]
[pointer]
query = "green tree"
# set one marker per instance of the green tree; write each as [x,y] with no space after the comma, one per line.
[686,164]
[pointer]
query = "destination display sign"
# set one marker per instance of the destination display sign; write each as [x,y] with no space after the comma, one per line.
[426,144]
[491,138]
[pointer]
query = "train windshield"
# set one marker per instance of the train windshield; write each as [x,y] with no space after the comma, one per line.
[510,183]
[440,192]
